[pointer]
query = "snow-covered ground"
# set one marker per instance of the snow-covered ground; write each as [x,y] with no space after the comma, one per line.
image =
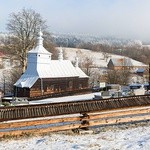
[89,96]
[97,57]
[102,139]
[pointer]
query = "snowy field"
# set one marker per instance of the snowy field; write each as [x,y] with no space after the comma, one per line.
[135,138]
[97,57]
[89,96]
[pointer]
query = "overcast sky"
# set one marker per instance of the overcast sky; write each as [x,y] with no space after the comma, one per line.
[117,18]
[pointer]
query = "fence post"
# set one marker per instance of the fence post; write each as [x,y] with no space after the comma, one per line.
[85,121]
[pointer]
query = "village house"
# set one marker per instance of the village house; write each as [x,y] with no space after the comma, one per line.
[44,76]
[126,64]
[119,63]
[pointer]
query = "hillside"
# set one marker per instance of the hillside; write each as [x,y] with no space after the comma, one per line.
[97,57]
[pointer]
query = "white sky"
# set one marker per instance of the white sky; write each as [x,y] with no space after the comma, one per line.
[118,18]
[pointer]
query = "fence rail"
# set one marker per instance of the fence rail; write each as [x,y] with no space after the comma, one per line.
[78,121]
[55,109]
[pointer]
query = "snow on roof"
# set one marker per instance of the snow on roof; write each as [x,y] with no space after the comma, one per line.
[81,73]
[26,81]
[138,63]
[39,50]
[54,69]
[41,66]
[121,61]
[57,69]
[140,70]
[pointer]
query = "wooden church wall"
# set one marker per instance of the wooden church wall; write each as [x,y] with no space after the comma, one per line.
[21,92]
[83,83]
[54,85]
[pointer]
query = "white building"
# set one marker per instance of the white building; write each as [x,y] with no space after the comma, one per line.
[44,76]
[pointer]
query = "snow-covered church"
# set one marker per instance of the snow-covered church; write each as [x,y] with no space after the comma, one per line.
[44,76]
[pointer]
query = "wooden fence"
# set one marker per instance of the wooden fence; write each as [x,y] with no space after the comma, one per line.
[75,121]
[73,107]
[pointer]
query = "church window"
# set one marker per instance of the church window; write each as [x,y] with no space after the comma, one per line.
[70,84]
[52,87]
[80,86]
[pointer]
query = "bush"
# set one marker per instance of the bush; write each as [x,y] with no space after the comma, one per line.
[6,103]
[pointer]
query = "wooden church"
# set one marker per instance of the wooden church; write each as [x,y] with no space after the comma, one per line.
[44,76]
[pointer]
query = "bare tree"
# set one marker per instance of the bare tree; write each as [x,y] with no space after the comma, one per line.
[124,77]
[112,77]
[106,56]
[86,65]
[24,26]
[8,78]
[118,77]
[48,44]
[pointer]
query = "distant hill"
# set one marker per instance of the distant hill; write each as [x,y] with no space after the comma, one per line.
[98,57]
[71,40]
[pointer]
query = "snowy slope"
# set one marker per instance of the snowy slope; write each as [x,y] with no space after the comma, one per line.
[97,57]
[112,139]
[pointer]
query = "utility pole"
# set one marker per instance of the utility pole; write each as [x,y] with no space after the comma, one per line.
[42,86]
[4,86]
[149,78]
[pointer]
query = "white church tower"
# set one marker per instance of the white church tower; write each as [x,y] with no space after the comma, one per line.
[38,55]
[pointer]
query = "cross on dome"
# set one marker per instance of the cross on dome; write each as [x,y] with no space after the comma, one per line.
[76,62]
[39,38]
[40,34]
[60,55]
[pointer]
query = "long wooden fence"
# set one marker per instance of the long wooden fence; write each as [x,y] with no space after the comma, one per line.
[55,109]
[78,121]
[72,115]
